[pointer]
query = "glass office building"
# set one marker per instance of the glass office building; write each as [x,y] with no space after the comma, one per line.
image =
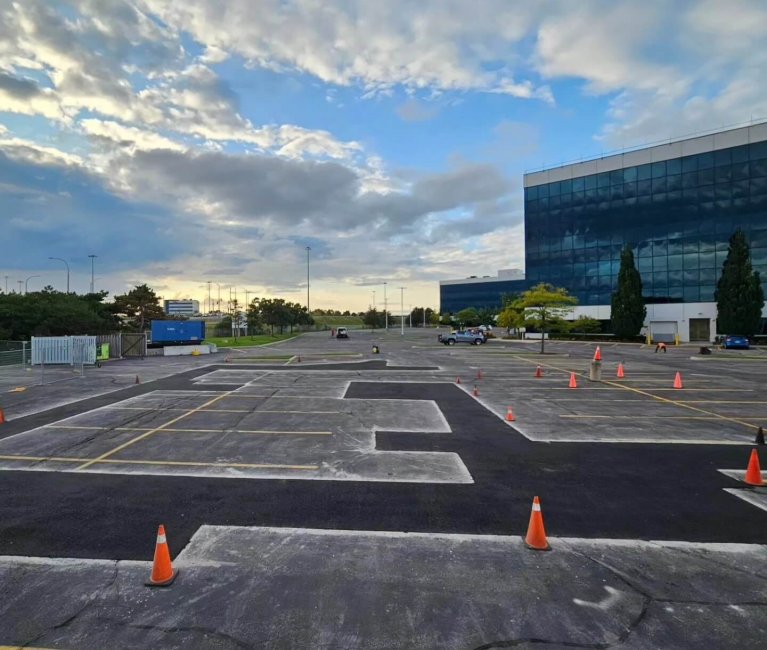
[675,204]
[677,214]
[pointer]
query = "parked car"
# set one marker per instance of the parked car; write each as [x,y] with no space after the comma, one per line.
[473,337]
[342,333]
[733,341]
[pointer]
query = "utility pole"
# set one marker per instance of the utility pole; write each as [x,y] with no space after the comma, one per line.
[386,311]
[93,258]
[402,310]
[308,309]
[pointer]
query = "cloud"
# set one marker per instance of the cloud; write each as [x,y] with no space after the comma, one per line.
[414,111]
[438,44]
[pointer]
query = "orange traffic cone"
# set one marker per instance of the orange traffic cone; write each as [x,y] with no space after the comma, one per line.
[479,373]
[538,372]
[457,380]
[536,534]
[163,572]
[620,374]
[138,381]
[475,392]
[510,415]
[678,381]
[754,471]
[2,416]
[573,383]
[598,354]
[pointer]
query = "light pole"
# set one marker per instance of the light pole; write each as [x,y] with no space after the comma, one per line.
[402,310]
[308,250]
[6,284]
[21,282]
[219,297]
[386,311]
[93,259]
[210,304]
[26,283]
[61,259]
[374,298]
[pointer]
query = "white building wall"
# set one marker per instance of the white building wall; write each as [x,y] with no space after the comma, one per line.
[681,313]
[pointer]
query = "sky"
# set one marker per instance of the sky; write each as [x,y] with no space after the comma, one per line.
[184,142]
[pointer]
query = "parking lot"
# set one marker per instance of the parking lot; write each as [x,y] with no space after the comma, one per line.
[394,490]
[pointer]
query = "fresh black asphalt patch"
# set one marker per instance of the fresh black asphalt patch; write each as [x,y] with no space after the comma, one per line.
[664,492]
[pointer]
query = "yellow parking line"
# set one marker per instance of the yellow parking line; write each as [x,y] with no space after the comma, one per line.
[151,409]
[112,461]
[260,431]
[150,432]
[723,401]
[174,430]
[658,417]
[636,390]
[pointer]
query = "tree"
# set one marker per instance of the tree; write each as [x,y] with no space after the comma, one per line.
[585,325]
[486,316]
[627,309]
[374,318]
[739,295]
[510,318]
[468,316]
[419,317]
[544,304]
[141,305]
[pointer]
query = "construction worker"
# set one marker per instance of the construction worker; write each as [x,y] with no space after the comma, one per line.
[660,346]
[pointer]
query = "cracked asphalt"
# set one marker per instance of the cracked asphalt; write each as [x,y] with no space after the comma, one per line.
[649,549]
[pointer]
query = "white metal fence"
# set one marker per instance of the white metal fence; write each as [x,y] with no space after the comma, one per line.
[63,350]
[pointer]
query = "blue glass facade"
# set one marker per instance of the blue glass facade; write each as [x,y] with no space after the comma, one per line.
[677,215]
[455,297]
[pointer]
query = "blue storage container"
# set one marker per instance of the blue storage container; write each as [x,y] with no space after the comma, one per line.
[178,332]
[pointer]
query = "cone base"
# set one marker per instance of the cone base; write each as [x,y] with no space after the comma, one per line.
[162,583]
[538,548]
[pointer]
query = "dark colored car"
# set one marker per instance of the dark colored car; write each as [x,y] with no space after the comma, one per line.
[733,341]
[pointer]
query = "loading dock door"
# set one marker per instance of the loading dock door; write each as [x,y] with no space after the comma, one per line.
[663,330]
[700,329]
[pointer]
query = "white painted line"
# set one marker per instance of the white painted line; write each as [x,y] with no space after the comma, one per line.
[758,499]
[740,474]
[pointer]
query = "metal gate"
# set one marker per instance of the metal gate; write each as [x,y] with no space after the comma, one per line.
[64,350]
[134,345]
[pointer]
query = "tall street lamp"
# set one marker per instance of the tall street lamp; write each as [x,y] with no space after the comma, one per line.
[6,284]
[402,310]
[26,283]
[386,310]
[93,258]
[61,259]
[21,283]
[308,309]
[210,304]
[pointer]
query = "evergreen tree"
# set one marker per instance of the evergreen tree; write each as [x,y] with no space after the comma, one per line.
[739,295]
[141,305]
[627,311]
